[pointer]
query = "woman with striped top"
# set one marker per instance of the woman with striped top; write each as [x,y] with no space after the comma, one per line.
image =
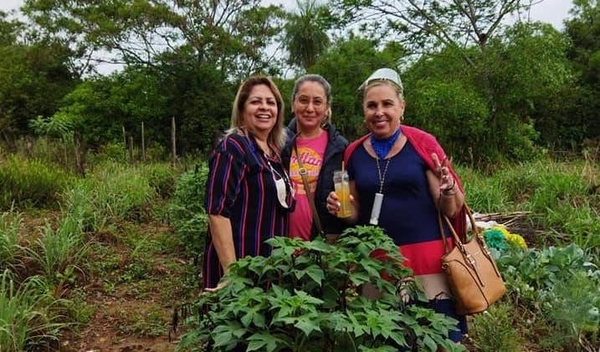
[248,192]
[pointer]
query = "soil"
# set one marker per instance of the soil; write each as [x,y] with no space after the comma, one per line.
[131,314]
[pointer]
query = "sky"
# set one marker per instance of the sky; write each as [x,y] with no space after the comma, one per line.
[552,11]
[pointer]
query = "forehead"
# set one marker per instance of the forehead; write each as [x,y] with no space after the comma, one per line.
[261,90]
[311,88]
[381,91]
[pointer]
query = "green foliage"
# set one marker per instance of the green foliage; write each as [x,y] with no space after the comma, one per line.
[188,216]
[27,317]
[304,297]
[561,287]
[497,329]
[60,254]
[30,182]
[113,192]
[10,223]
[35,76]
[583,29]
[559,195]
[161,177]
[306,37]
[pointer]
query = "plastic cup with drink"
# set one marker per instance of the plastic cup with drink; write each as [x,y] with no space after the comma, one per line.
[341,183]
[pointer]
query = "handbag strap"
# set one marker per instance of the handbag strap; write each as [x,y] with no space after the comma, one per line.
[455,237]
[302,171]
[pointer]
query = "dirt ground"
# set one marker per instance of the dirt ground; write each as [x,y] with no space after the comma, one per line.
[134,315]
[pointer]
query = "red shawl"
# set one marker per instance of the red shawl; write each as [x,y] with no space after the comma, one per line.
[425,144]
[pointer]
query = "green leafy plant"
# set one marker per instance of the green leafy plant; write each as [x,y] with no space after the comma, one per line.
[560,288]
[305,297]
[495,329]
[188,215]
[60,254]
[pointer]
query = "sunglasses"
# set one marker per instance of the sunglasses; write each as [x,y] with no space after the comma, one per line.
[283,186]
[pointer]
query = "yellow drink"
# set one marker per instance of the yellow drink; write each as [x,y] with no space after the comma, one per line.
[342,190]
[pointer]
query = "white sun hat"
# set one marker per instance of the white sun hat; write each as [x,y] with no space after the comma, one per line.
[383,74]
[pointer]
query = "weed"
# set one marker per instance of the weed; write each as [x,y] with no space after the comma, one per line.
[495,329]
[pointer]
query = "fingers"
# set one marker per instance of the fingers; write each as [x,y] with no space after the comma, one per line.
[333,204]
[436,161]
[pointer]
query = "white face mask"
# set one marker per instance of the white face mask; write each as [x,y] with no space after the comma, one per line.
[283,186]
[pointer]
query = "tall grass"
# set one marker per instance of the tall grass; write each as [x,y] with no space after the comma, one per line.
[60,253]
[9,239]
[563,201]
[113,192]
[27,317]
[30,182]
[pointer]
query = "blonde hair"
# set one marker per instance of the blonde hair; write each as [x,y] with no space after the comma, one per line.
[277,136]
[399,90]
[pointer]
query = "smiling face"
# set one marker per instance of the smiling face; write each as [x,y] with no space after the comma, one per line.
[260,110]
[310,106]
[383,109]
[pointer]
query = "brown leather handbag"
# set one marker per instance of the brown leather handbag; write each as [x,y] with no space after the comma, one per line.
[473,276]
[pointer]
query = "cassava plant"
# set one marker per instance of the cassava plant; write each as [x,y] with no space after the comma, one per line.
[305,297]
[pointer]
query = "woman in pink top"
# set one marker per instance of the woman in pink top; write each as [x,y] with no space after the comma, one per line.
[316,147]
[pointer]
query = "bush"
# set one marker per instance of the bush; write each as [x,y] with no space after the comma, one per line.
[304,297]
[188,215]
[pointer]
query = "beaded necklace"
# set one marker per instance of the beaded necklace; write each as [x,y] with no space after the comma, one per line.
[383,146]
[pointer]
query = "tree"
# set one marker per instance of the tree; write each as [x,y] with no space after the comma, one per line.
[431,25]
[584,31]
[480,121]
[229,35]
[306,33]
[34,77]
[346,65]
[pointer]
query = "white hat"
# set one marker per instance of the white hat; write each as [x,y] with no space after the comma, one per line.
[383,74]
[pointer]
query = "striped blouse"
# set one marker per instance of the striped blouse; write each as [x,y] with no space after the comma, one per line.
[241,187]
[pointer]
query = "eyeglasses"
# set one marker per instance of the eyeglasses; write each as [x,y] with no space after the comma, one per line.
[283,186]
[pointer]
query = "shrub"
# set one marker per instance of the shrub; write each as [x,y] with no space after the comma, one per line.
[188,215]
[495,329]
[561,288]
[304,298]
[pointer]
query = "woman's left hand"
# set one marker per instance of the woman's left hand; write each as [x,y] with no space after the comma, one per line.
[442,172]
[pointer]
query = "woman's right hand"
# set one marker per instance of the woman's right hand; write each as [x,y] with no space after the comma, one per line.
[333,203]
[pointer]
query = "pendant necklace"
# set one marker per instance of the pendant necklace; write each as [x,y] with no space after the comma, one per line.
[379,195]
[381,148]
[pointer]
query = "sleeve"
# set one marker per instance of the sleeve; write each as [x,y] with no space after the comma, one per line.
[227,169]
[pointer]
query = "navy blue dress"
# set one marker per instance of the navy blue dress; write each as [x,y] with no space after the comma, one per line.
[409,216]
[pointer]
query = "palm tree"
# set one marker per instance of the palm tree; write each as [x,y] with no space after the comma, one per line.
[306,34]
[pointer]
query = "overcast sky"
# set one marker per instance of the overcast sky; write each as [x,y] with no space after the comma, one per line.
[552,11]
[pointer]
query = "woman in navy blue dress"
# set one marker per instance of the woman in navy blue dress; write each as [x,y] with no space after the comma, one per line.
[399,180]
[248,192]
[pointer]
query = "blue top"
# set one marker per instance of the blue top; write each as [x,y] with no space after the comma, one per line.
[240,187]
[407,209]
